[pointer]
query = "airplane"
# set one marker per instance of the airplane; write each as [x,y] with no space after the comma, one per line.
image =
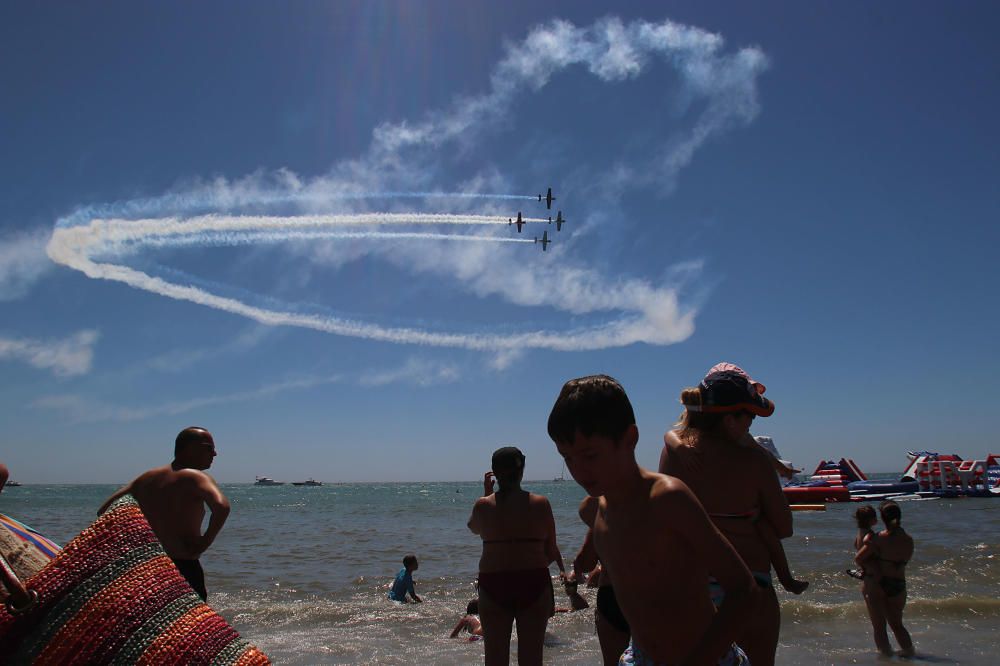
[544,240]
[548,198]
[519,223]
[559,221]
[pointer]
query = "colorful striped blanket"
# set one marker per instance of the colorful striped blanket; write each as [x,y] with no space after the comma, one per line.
[112,596]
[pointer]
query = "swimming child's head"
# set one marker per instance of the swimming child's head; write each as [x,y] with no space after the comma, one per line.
[473,607]
[410,562]
[865,515]
[891,515]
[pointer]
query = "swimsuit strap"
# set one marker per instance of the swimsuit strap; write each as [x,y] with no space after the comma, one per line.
[753,514]
[518,540]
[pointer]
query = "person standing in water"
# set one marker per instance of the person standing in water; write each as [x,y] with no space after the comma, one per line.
[173,499]
[519,542]
[888,553]
[711,451]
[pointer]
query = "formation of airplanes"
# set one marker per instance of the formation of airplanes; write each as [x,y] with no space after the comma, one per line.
[544,240]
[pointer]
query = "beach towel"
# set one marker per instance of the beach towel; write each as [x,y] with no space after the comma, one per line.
[112,596]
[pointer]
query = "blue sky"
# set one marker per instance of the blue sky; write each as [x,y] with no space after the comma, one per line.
[807,190]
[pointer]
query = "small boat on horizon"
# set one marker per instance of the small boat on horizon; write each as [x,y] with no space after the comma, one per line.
[11,484]
[267,481]
[308,482]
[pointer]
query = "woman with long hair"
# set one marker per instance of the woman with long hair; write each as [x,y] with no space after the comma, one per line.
[887,553]
[519,542]
[711,451]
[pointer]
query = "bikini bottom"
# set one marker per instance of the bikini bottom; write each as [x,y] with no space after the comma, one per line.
[516,590]
[633,656]
[893,587]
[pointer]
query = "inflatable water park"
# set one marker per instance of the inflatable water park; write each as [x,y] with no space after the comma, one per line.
[927,475]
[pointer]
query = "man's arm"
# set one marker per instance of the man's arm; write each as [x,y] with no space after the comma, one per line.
[689,519]
[4,475]
[122,491]
[218,505]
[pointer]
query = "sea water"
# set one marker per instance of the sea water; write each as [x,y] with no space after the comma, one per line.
[303,573]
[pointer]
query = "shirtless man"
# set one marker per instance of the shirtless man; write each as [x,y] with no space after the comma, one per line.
[173,498]
[655,538]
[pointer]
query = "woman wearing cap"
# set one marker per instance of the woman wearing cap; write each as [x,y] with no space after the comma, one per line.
[519,542]
[734,482]
[888,552]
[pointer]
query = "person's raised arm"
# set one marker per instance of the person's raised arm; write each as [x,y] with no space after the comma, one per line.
[218,505]
[688,518]
[118,493]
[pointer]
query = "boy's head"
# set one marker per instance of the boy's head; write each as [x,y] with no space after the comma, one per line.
[410,562]
[593,426]
[473,607]
[865,515]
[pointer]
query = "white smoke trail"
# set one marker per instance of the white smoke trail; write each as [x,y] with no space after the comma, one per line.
[220,197]
[76,246]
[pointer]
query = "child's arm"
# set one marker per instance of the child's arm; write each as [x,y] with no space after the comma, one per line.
[776,553]
[689,519]
[413,592]
[458,627]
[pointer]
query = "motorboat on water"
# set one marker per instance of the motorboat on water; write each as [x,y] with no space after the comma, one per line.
[12,484]
[307,482]
[267,481]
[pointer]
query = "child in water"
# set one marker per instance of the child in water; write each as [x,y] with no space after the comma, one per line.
[866,519]
[470,622]
[403,584]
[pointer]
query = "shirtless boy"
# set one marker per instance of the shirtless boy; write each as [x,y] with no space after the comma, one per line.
[173,498]
[652,534]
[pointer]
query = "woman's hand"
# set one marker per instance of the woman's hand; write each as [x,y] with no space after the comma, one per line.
[488,480]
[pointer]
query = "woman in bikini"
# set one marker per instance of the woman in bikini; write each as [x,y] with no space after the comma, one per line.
[735,483]
[888,552]
[519,543]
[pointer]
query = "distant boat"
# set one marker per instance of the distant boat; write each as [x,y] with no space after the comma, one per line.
[309,482]
[12,484]
[267,481]
[562,474]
